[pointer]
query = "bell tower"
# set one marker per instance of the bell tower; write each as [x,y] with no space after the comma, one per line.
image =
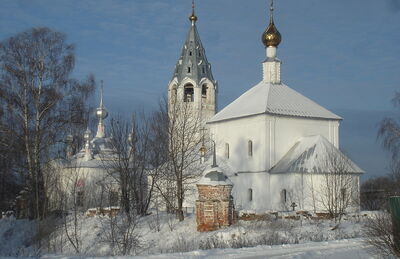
[192,82]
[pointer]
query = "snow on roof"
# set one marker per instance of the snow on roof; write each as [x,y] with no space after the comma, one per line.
[314,154]
[102,154]
[273,99]
[223,163]
[214,176]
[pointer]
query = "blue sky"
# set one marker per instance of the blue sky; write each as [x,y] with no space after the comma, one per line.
[342,54]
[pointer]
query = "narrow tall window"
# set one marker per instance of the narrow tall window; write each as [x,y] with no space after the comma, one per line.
[284,196]
[250,194]
[204,70]
[204,91]
[190,53]
[343,193]
[226,150]
[188,69]
[250,148]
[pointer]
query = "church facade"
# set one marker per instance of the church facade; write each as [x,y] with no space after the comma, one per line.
[279,148]
[276,149]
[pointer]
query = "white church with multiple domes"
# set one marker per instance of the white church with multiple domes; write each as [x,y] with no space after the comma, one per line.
[278,148]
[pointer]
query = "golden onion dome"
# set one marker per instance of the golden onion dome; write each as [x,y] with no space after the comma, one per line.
[271,36]
[193,18]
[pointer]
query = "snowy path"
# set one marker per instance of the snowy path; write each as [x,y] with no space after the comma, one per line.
[341,249]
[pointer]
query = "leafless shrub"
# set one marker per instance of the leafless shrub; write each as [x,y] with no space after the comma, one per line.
[154,222]
[171,223]
[121,233]
[380,234]
[183,244]
[45,229]
[212,242]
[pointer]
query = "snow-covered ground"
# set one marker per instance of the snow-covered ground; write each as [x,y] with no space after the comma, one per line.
[165,237]
[341,249]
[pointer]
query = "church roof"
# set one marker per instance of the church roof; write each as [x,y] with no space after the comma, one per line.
[214,176]
[315,154]
[101,150]
[194,56]
[276,99]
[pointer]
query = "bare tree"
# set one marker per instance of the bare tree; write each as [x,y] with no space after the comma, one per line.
[394,176]
[10,184]
[181,125]
[389,131]
[73,199]
[130,145]
[340,189]
[38,93]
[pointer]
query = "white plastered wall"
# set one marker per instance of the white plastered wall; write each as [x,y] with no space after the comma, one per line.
[272,137]
[237,133]
[285,131]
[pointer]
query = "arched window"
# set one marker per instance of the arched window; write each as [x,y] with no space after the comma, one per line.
[189,70]
[190,53]
[250,194]
[226,150]
[250,148]
[189,93]
[284,196]
[204,89]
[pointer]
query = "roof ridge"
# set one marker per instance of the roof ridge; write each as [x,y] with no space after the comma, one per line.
[277,99]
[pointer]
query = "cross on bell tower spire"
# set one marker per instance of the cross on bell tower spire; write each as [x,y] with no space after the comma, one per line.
[193,17]
[101,114]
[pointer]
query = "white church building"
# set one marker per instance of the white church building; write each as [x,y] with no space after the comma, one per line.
[279,148]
